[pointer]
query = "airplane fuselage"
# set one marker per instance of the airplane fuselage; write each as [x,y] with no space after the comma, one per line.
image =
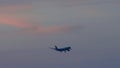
[63,49]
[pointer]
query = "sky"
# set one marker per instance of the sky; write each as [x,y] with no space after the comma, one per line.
[29,27]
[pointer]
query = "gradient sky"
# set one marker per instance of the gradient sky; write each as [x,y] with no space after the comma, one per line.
[29,27]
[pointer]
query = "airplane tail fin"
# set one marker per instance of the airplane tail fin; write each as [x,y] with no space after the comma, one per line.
[56,47]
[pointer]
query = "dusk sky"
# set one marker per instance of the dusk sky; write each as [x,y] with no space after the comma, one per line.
[29,27]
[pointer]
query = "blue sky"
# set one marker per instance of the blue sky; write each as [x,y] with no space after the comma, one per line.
[29,27]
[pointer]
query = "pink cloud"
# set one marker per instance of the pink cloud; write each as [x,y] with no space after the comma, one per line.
[13,22]
[28,27]
[23,21]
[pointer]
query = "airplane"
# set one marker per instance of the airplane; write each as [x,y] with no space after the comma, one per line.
[62,49]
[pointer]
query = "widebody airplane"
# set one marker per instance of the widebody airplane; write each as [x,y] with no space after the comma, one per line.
[65,49]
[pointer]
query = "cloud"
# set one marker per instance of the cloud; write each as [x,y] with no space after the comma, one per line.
[20,16]
[29,27]
[25,26]
[10,20]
